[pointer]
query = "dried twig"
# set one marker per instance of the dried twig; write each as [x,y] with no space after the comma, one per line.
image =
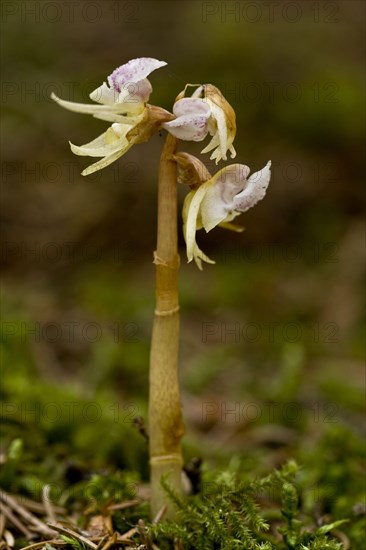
[2,524]
[70,533]
[343,538]
[102,541]
[144,534]
[123,505]
[15,521]
[38,545]
[48,504]
[37,525]
[34,506]
[9,539]
[110,542]
[126,537]
[159,515]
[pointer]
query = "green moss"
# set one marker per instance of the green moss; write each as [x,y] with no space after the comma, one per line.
[237,512]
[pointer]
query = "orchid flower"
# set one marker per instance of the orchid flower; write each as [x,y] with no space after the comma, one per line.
[123,101]
[218,201]
[207,111]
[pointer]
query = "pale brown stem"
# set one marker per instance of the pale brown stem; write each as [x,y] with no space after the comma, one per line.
[166,426]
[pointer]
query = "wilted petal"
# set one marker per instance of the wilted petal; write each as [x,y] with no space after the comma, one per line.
[222,124]
[133,71]
[218,203]
[254,190]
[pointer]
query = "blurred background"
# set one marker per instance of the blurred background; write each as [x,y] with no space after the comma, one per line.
[271,360]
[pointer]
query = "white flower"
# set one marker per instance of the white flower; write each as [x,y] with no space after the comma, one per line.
[123,102]
[207,111]
[218,201]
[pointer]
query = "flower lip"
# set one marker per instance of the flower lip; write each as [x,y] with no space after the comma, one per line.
[254,190]
[219,200]
[191,123]
[134,71]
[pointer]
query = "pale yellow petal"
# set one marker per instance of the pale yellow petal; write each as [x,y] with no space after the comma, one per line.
[200,257]
[106,161]
[212,144]
[220,118]
[104,95]
[232,227]
[122,119]
[89,109]
[195,199]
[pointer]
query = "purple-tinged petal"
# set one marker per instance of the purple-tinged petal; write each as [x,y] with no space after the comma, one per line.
[133,71]
[254,190]
[188,127]
[134,95]
[190,106]
[141,89]
[191,123]
[218,203]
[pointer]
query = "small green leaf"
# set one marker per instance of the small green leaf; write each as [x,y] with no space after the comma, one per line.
[330,526]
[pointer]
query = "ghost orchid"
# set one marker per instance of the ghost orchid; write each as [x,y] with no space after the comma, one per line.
[218,201]
[124,103]
[206,112]
[213,201]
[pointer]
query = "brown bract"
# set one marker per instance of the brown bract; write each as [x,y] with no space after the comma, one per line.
[213,94]
[191,171]
[150,124]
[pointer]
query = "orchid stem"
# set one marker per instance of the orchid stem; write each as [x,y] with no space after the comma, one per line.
[166,426]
